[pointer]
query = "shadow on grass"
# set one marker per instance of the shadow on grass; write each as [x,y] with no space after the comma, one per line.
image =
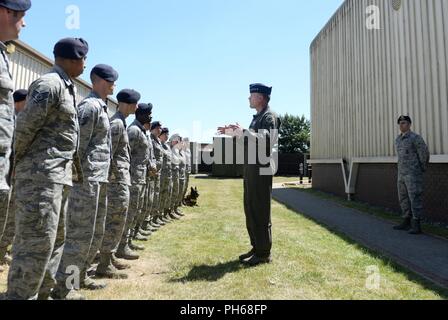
[210,273]
[412,276]
[211,177]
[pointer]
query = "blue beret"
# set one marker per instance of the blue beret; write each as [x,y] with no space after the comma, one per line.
[404,118]
[105,72]
[20,95]
[16,5]
[155,124]
[260,88]
[128,96]
[144,108]
[165,131]
[71,48]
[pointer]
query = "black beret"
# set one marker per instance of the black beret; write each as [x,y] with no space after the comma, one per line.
[144,108]
[155,124]
[105,72]
[71,48]
[16,5]
[20,95]
[165,131]
[260,88]
[128,96]
[404,118]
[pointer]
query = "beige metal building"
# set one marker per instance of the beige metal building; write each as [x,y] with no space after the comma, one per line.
[362,80]
[27,65]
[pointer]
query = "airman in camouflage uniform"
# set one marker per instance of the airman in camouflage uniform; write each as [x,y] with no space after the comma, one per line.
[156,128]
[8,235]
[46,144]
[175,141]
[119,184]
[86,214]
[182,177]
[139,146]
[413,159]
[10,28]
[148,225]
[167,179]
[187,152]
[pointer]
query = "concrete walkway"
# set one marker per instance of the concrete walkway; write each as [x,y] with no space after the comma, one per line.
[423,254]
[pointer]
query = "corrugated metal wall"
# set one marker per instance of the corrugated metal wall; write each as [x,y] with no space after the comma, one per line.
[28,65]
[362,79]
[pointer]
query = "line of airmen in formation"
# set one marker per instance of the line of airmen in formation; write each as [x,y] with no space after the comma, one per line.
[84,186]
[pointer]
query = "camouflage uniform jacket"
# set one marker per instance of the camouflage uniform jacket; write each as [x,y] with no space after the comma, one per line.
[95,140]
[6,118]
[121,159]
[139,144]
[413,154]
[47,133]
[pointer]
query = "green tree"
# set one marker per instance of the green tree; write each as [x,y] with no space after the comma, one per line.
[294,134]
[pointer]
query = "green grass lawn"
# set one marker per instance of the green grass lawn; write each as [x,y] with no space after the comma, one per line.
[196,258]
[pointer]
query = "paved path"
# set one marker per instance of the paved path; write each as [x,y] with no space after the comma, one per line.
[423,254]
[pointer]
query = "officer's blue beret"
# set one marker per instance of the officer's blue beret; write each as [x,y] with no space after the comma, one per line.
[260,88]
[404,118]
[105,72]
[16,5]
[165,131]
[155,124]
[144,108]
[128,96]
[71,48]
[20,95]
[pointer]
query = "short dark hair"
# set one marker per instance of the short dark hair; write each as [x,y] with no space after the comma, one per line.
[266,97]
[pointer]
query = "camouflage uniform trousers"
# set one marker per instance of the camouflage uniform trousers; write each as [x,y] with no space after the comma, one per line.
[4,206]
[410,194]
[175,191]
[137,201]
[117,211]
[39,240]
[9,232]
[149,200]
[166,186]
[187,184]
[86,217]
[182,183]
[155,207]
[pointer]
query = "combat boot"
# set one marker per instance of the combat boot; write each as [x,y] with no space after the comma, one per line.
[153,224]
[256,260]
[173,216]
[405,225]
[106,269]
[160,222]
[137,247]
[120,265]
[92,285]
[416,227]
[247,255]
[124,252]
[144,232]
[178,212]
[72,295]
[137,236]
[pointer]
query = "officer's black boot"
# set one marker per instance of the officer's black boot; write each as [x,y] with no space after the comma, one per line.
[405,225]
[247,255]
[416,227]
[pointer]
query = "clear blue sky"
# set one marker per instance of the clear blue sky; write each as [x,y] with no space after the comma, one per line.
[195,59]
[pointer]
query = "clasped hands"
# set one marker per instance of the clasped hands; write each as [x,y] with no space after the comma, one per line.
[233,130]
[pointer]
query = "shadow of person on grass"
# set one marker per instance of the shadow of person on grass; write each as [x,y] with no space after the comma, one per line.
[210,273]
